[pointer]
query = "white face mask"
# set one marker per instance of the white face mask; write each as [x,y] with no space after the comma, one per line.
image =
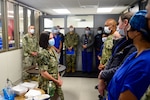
[87,32]
[107,30]
[99,32]
[71,29]
[32,31]
[104,39]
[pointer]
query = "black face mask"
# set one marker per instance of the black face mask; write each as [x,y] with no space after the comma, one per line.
[129,39]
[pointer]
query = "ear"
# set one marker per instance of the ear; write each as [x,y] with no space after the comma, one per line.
[126,22]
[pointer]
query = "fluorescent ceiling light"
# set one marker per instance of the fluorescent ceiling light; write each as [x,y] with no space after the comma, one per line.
[104,10]
[62,11]
[77,19]
[11,12]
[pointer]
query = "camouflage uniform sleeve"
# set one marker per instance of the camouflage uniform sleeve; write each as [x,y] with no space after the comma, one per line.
[109,44]
[76,40]
[43,60]
[65,40]
[37,45]
[103,60]
[26,50]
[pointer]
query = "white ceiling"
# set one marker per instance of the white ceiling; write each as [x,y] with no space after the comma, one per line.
[79,6]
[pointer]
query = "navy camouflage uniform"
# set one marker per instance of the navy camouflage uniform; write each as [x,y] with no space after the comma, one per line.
[71,40]
[47,61]
[29,45]
[107,50]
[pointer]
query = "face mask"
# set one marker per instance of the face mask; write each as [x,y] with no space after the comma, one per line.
[32,31]
[107,30]
[71,29]
[121,32]
[87,32]
[104,39]
[51,42]
[99,32]
[128,38]
[54,31]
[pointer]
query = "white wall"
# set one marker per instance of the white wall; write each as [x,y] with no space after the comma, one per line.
[10,66]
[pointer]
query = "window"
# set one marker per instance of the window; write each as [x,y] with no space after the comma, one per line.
[29,17]
[10,18]
[21,24]
[80,21]
[50,22]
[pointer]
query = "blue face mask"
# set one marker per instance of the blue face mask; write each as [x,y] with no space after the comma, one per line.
[51,42]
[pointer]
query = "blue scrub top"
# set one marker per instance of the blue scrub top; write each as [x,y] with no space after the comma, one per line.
[57,39]
[133,75]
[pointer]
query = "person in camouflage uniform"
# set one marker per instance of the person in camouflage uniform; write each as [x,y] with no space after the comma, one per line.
[110,28]
[48,66]
[71,42]
[146,95]
[30,49]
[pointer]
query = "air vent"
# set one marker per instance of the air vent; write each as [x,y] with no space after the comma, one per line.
[88,3]
[89,6]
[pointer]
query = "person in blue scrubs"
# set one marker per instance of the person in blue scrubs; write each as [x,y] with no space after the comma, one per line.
[58,42]
[87,41]
[132,79]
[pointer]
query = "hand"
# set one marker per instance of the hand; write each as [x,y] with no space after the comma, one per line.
[99,58]
[59,82]
[70,48]
[58,51]
[101,87]
[101,67]
[34,53]
[84,46]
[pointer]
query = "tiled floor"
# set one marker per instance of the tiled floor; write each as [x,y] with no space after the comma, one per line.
[80,88]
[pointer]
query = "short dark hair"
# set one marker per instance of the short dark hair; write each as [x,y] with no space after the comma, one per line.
[100,28]
[88,28]
[43,41]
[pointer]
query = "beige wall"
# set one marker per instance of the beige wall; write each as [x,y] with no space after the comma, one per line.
[10,67]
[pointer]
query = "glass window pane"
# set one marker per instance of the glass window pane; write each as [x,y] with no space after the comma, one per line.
[10,14]
[58,21]
[80,21]
[21,25]
[29,17]
[1,40]
[50,22]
